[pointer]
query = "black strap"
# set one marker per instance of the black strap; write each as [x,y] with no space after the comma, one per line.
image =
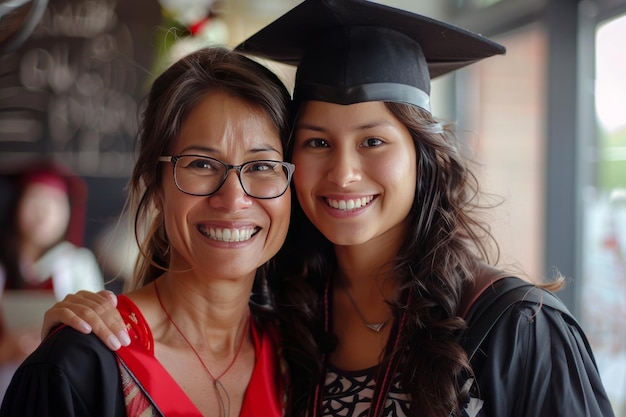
[496,300]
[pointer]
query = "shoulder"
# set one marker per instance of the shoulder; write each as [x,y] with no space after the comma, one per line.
[532,344]
[68,374]
[69,250]
[532,314]
[69,358]
[70,256]
[522,310]
[496,297]
[68,350]
[82,254]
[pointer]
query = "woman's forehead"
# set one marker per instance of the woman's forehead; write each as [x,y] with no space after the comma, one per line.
[220,121]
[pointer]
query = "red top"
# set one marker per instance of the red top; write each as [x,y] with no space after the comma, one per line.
[264,396]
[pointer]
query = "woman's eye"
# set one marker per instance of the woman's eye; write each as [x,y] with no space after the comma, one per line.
[201,164]
[317,143]
[372,142]
[262,166]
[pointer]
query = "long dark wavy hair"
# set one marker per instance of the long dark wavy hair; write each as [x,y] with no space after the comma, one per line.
[444,243]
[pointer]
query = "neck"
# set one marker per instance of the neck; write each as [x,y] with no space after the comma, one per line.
[373,258]
[367,297]
[212,316]
[362,266]
[217,350]
[365,282]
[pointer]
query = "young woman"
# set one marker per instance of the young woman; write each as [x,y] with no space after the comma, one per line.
[382,281]
[211,196]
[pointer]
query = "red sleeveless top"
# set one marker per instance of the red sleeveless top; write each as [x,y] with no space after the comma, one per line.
[263,398]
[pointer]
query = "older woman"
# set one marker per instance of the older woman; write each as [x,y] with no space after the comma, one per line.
[211,198]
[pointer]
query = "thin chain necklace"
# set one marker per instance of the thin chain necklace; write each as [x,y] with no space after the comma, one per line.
[384,375]
[377,327]
[220,390]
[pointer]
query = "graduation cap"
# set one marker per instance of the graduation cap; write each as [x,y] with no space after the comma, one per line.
[350,51]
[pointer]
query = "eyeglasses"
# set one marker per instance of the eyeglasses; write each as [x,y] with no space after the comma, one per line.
[203,176]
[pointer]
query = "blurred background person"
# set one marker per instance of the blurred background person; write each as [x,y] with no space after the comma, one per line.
[41,253]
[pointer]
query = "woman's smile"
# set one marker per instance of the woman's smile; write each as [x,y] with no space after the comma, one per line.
[225,234]
[349,204]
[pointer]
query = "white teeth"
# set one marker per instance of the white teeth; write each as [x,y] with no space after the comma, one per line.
[350,204]
[228,235]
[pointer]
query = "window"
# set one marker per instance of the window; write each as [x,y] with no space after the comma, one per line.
[603,301]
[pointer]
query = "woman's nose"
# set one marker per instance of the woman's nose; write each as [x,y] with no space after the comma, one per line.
[231,196]
[345,168]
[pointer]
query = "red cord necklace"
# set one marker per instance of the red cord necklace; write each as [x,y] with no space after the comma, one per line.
[220,390]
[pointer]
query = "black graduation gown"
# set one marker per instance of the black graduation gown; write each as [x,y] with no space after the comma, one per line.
[69,375]
[536,362]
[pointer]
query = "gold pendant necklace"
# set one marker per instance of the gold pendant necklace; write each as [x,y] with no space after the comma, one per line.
[220,389]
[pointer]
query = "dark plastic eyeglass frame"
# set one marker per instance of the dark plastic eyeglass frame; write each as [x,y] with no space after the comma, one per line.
[173,159]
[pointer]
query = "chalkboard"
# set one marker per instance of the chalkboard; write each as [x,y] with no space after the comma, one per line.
[72,90]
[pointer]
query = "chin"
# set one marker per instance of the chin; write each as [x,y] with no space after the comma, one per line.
[347,240]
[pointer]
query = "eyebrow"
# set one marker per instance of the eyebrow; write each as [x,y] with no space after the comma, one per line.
[210,150]
[365,126]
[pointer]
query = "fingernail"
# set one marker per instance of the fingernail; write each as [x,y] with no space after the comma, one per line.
[84,327]
[114,343]
[113,298]
[124,338]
